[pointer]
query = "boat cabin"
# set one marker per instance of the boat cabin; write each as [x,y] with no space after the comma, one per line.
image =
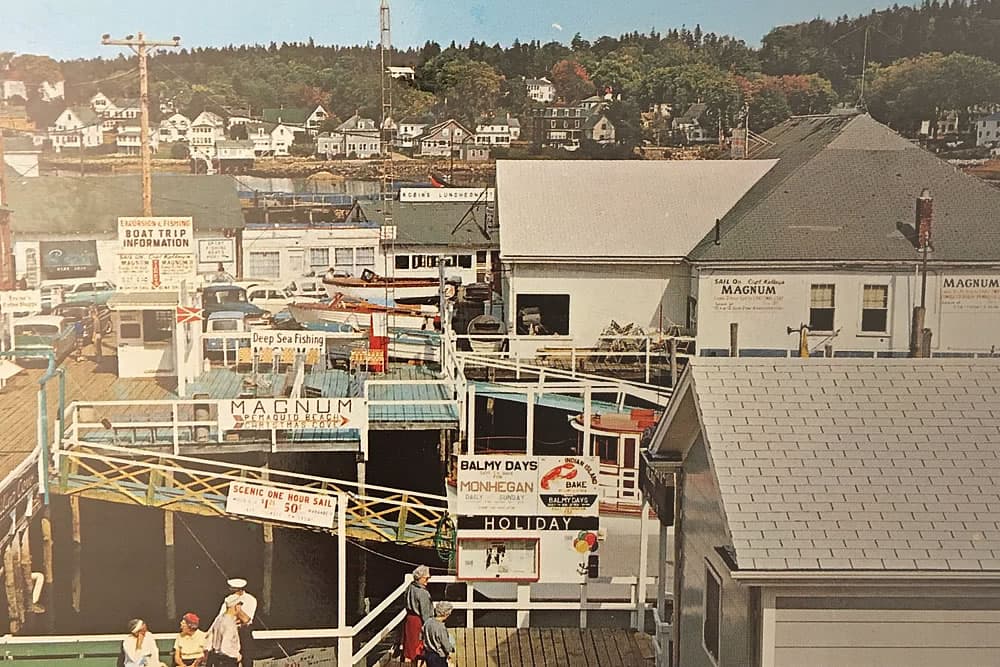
[615,438]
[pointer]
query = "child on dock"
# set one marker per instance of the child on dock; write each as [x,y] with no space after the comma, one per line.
[438,647]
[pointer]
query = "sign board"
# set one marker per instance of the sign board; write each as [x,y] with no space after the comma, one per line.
[531,487]
[155,253]
[187,314]
[501,559]
[21,301]
[741,294]
[367,357]
[281,504]
[146,273]
[213,251]
[300,341]
[288,414]
[310,657]
[469,195]
[970,294]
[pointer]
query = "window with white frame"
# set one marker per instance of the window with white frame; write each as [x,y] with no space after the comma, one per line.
[344,260]
[364,258]
[821,307]
[319,260]
[875,309]
[712,616]
[264,265]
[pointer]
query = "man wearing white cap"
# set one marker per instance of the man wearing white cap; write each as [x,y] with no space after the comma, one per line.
[223,640]
[245,613]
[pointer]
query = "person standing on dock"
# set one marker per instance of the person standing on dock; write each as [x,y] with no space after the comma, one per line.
[139,648]
[224,635]
[419,610]
[244,616]
[438,646]
[191,644]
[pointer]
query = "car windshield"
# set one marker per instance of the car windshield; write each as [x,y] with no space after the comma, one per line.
[224,325]
[234,295]
[77,312]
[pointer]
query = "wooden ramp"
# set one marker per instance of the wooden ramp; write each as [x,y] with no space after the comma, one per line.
[548,647]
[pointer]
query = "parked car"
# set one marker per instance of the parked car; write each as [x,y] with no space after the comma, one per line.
[269,297]
[38,334]
[306,289]
[80,314]
[217,298]
[82,290]
[225,321]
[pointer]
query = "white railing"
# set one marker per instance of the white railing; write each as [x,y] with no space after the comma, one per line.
[522,604]
[648,349]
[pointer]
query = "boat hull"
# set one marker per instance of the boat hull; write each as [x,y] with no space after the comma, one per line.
[358,319]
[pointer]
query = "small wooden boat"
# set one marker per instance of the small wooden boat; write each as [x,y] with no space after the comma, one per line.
[356,313]
[486,325]
[371,287]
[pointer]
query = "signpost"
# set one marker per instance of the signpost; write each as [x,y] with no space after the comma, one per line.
[155,253]
[267,414]
[281,504]
[527,518]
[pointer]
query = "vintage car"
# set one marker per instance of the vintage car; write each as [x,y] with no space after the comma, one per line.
[37,335]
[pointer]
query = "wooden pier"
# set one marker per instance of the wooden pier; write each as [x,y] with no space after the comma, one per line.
[547,647]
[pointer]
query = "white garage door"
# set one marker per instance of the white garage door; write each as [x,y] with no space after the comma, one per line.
[887,632]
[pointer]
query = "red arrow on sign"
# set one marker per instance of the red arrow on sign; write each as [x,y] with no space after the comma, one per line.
[187,314]
[156,273]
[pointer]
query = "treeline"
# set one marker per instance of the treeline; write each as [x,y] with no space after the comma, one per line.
[920,60]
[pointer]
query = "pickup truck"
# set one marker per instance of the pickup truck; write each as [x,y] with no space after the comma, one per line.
[218,297]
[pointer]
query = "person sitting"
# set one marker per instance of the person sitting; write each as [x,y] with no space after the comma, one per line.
[191,644]
[438,646]
[139,648]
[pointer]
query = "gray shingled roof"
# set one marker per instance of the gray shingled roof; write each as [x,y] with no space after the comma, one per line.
[856,464]
[845,188]
[445,223]
[74,205]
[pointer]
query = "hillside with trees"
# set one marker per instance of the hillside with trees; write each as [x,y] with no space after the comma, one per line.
[919,61]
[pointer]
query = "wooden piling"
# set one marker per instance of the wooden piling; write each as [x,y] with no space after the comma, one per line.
[15,547]
[734,339]
[673,362]
[29,585]
[47,569]
[170,563]
[74,507]
[268,566]
[10,588]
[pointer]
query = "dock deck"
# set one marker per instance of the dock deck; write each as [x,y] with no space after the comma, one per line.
[548,647]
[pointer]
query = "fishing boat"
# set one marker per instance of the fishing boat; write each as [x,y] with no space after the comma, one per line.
[357,313]
[492,328]
[371,286]
[404,344]
[616,438]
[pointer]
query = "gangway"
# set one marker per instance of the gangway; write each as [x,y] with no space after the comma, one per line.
[200,486]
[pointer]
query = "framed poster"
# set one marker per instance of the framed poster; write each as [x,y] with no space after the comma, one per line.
[497,559]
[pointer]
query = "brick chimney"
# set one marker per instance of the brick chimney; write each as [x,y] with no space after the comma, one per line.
[925,220]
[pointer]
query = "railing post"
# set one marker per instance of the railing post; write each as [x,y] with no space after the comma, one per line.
[647,359]
[176,432]
[470,428]
[404,511]
[523,605]
[345,652]
[583,605]
[470,596]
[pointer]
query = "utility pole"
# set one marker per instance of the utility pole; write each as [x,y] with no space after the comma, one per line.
[141,45]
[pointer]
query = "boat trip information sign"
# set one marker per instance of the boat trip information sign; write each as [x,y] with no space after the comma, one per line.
[537,487]
[155,253]
[300,341]
[287,414]
[21,301]
[281,504]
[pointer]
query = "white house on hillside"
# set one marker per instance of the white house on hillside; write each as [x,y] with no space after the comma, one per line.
[76,127]
[540,90]
[50,91]
[206,130]
[409,130]
[444,139]
[496,132]
[356,137]
[175,127]
[13,88]
[282,137]
[988,130]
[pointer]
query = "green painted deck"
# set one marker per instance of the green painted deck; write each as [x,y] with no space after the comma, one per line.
[568,402]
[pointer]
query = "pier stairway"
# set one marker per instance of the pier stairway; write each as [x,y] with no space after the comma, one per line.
[201,486]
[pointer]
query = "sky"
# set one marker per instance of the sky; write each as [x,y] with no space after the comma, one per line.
[67,29]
